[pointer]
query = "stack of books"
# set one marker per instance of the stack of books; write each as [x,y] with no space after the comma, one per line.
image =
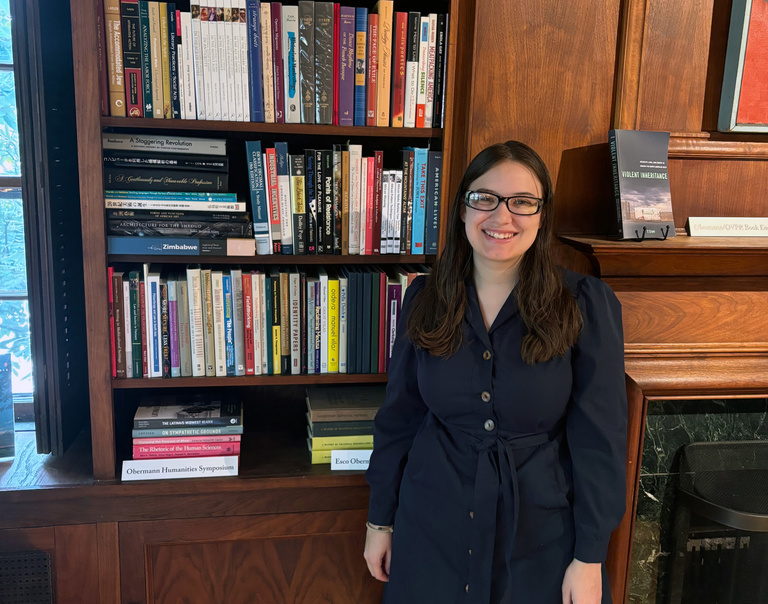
[170,190]
[341,418]
[185,436]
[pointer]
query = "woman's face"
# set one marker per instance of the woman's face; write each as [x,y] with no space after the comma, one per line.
[501,237]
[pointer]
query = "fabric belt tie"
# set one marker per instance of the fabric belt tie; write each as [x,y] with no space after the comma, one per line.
[492,477]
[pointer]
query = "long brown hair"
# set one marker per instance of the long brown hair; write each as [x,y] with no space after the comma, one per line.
[549,311]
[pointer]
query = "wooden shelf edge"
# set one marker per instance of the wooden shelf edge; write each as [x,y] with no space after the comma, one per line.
[261,380]
[275,259]
[682,146]
[262,128]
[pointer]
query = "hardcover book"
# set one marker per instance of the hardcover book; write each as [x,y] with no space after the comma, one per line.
[336,403]
[641,184]
[188,411]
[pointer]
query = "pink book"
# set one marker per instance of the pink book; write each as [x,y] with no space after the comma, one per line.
[369,205]
[250,367]
[373,70]
[185,450]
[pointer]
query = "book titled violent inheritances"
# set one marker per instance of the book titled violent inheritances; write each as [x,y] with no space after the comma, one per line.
[179,246]
[641,184]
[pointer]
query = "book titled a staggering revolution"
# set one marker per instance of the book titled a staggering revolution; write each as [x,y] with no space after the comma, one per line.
[194,467]
[190,413]
[179,246]
[641,184]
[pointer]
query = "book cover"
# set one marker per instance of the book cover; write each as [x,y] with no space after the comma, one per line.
[341,403]
[113,27]
[307,60]
[641,184]
[161,469]
[324,62]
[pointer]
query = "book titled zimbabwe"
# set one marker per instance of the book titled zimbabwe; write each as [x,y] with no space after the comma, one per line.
[188,412]
[641,184]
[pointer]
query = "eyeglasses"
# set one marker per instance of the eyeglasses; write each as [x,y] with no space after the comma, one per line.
[488,202]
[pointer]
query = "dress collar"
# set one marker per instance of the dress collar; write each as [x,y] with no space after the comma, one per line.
[475,317]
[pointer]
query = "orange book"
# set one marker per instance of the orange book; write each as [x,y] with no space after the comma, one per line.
[384,9]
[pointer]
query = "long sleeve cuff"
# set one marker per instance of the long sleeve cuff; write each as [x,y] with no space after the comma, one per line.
[590,550]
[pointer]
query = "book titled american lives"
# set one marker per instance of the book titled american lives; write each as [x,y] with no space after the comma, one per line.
[641,184]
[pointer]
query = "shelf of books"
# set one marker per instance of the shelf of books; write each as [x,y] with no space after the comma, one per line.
[272,178]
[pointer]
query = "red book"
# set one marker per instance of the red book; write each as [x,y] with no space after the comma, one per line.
[369,187]
[250,368]
[373,70]
[277,61]
[184,440]
[335,63]
[378,174]
[398,69]
[143,320]
[185,450]
[111,300]
[382,321]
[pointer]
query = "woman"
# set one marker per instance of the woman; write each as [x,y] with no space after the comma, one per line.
[499,454]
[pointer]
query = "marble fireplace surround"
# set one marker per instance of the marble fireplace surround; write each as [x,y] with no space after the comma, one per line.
[695,318]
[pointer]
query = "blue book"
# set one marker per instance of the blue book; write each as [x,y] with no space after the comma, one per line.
[434,181]
[419,199]
[254,61]
[365,348]
[284,193]
[132,245]
[361,32]
[229,324]
[259,206]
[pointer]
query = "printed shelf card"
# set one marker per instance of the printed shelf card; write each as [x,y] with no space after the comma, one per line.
[351,459]
[711,226]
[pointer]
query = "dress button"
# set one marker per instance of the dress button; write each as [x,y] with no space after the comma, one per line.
[466,588]
[471,514]
[470,552]
[489,425]
[486,396]
[487,355]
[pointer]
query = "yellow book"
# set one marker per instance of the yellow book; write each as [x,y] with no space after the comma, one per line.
[165,59]
[333,322]
[320,456]
[384,10]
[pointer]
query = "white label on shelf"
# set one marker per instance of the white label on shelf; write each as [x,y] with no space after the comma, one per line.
[351,459]
[179,467]
[710,226]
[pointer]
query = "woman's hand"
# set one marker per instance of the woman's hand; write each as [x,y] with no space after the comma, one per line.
[378,551]
[583,583]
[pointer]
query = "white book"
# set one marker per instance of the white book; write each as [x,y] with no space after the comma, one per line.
[179,467]
[294,297]
[355,157]
[421,88]
[219,336]
[223,60]
[208,331]
[291,64]
[127,327]
[256,320]
[263,320]
[197,61]
[245,77]
[267,74]
[363,204]
[286,214]
[398,210]
[411,86]
[431,59]
[172,297]
[236,100]
[162,204]
[343,320]
[180,67]
[237,319]
[323,276]
[152,313]
[196,334]
[189,109]
[231,56]
[384,243]
[311,281]
[210,54]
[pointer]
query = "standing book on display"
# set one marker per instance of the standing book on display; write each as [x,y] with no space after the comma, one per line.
[641,184]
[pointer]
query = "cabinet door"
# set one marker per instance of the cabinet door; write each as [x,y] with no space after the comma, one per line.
[272,559]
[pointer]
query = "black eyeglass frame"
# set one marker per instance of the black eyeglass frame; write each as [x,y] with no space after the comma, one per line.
[539,202]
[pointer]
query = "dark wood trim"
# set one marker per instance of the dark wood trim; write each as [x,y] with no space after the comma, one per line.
[276,259]
[109,562]
[256,380]
[628,64]
[696,147]
[77,565]
[259,127]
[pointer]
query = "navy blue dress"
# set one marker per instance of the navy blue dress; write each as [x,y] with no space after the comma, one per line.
[496,473]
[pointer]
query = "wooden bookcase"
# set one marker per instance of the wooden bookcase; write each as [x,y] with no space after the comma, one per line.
[107,395]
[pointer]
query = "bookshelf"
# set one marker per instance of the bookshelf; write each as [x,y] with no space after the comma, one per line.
[111,398]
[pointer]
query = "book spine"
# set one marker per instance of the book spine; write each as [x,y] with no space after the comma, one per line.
[119,316]
[194,196]
[173,328]
[307,60]
[345,202]
[441,114]
[276,30]
[219,335]
[115,69]
[381,316]
[336,226]
[221,112]
[434,178]
[318,336]
[231,54]
[324,62]
[346,52]
[156,179]
[267,74]
[210,49]
[377,202]
[127,327]
[229,325]
[131,34]
[248,324]
[237,320]
[209,336]
[384,226]
[333,429]
[310,324]
[267,339]
[157,159]
[335,66]
[187,66]
[285,323]
[241,33]
[294,309]
[153,326]
[361,36]
[261,225]
[165,57]
[429,102]
[156,60]
[323,302]
[328,443]
[136,355]
[101,43]
[165,246]
[441,43]
[196,328]
[290,41]
[274,200]
[159,228]
[255,64]
[298,204]
[186,431]
[616,183]
[143,324]
[398,213]
[198,62]
[173,205]
[373,70]
[276,323]
[165,334]
[284,193]
[328,201]
[164,143]
[311,200]
[173,61]
[394,297]
[333,323]
[352,306]
[191,440]
[170,451]
[369,203]
[259,324]
[343,322]
[419,200]
[400,43]
[320,200]
[411,69]
[303,318]
[385,63]
[185,342]
[111,302]
[421,90]
[355,158]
